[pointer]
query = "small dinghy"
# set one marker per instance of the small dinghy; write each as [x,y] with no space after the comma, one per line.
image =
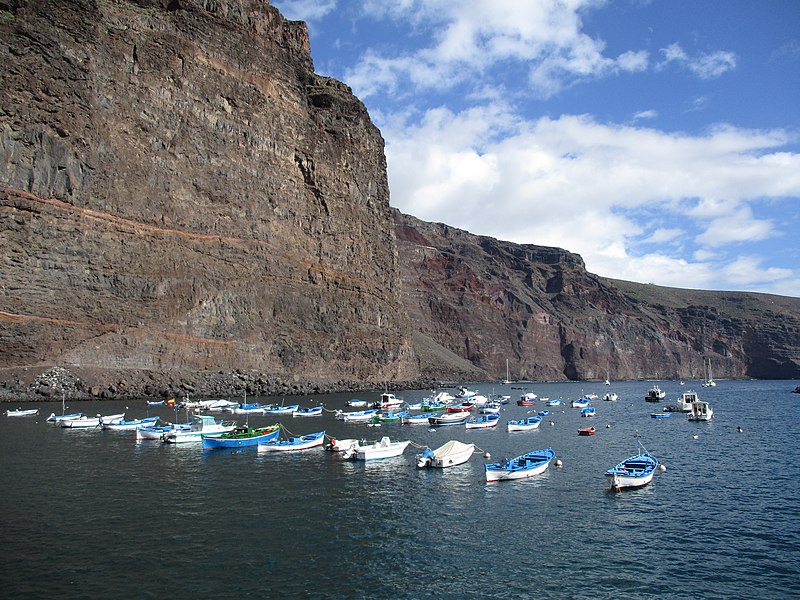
[587,431]
[524,424]
[22,413]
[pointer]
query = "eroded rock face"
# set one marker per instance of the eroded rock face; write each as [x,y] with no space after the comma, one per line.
[181,191]
[489,301]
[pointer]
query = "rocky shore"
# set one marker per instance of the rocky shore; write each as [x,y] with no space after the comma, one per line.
[31,384]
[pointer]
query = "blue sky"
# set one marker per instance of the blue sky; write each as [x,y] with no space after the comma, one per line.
[659,139]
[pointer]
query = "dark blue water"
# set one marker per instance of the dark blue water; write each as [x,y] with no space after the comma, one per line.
[93,514]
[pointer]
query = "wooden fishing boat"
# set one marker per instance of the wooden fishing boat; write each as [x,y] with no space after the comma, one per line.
[463,407]
[201,426]
[524,424]
[129,425]
[292,444]
[356,403]
[248,408]
[385,448]
[525,465]
[456,418]
[450,454]
[315,411]
[22,413]
[587,431]
[359,416]
[281,410]
[242,437]
[483,422]
[632,472]
[389,417]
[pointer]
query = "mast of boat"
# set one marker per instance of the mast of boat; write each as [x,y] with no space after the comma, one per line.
[508,374]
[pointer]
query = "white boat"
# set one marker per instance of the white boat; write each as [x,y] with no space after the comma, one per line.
[157,432]
[686,399]
[385,448]
[202,426]
[507,380]
[221,405]
[450,454]
[356,403]
[420,419]
[314,411]
[479,400]
[443,397]
[655,394]
[85,422]
[709,382]
[54,418]
[581,402]
[554,402]
[524,424]
[701,411]
[611,397]
[526,465]
[335,445]
[490,408]
[453,418]
[387,401]
[22,413]
[359,416]
[289,409]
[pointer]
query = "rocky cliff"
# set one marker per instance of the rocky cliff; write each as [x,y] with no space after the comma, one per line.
[181,193]
[489,301]
[187,207]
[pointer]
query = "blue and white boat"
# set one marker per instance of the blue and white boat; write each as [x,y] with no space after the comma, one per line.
[420,419]
[632,472]
[525,465]
[524,424]
[589,411]
[248,408]
[201,426]
[581,402]
[54,418]
[289,409]
[359,416]
[543,413]
[483,422]
[130,424]
[554,402]
[157,432]
[315,411]
[661,415]
[242,437]
[293,444]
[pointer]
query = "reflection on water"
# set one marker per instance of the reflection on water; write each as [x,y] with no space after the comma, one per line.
[104,516]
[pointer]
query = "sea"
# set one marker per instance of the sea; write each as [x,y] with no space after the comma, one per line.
[94,514]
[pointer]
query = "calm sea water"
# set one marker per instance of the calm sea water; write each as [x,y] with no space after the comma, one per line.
[94,514]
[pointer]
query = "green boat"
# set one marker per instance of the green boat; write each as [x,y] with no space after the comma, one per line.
[242,437]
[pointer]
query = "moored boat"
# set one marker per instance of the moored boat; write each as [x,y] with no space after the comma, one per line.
[655,394]
[201,426]
[388,401]
[483,422]
[448,419]
[661,415]
[632,472]
[315,411]
[385,448]
[554,402]
[335,445]
[278,410]
[129,425]
[86,422]
[421,419]
[611,397]
[581,402]
[359,416]
[292,444]
[54,418]
[528,399]
[587,431]
[524,424]
[686,399]
[157,432]
[462,407]
[242,437]
[22,413]
[525,465]
[589,411]
[450,454]
[701,411]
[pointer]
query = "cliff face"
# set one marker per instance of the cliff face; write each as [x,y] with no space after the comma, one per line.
[490,301]
[179,190]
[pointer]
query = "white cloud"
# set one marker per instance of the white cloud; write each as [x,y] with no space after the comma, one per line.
[305,10]
[645,114]
[706,66]
[582,185]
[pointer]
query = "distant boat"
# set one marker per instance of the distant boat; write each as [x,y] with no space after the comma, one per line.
[54,418]
[385,448]
[528,399]
[450,454]
[85,422]
[655,394]
[201,426]
[308,412]
[554,402]
[155,403]
[305,442]
[483,422]
[507,380]
[388,401]
[130,425]
[610,397]
[701,411]
[686,399]
[289,409]
[543,413]
[709,382]
[463,407]
[587,431]
[525,465]
[389,417]
[456,418]
[22,413]
[421,419]
[359,416]
[356,403]
[632,472]
[581,402]
[661,415]
[589,411]
[524,424]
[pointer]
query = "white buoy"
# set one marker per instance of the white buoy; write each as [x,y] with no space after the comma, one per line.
[551,423]
[739,429]
[558,463]
[487,455]
[608,426]
[662,468]
[694,437]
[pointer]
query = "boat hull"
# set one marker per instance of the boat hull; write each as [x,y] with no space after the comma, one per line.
[451,454]
[521,467]
[305,442]
[220,443]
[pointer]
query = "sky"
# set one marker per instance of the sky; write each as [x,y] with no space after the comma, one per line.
[658,139]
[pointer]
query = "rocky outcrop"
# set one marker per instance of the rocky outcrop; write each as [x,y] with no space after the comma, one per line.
[490,301]
[180,191]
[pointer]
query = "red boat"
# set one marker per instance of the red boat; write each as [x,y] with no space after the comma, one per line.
[526,402]
[463,407]
[586,431]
